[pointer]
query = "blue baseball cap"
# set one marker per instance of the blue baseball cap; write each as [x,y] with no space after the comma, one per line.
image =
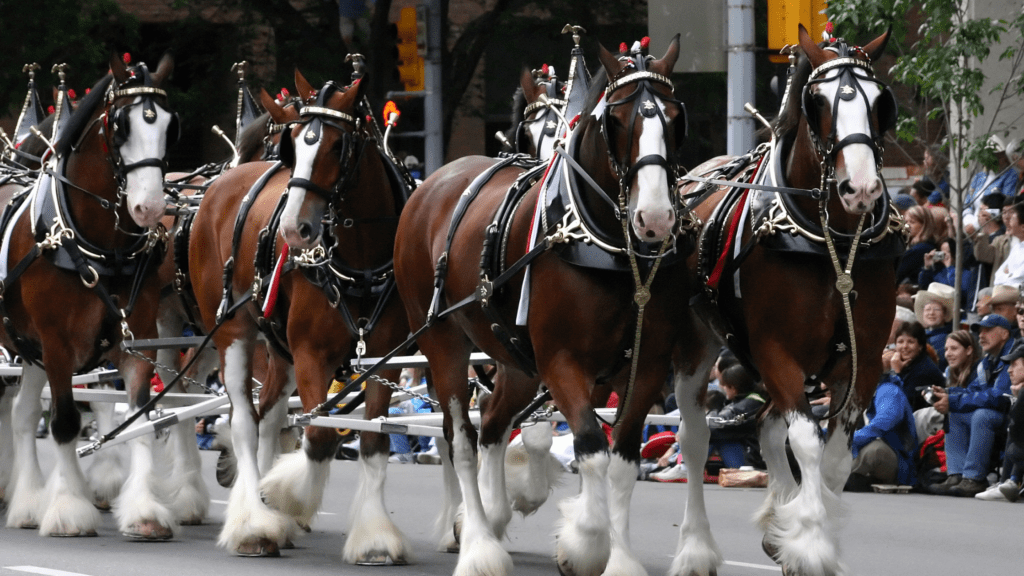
[935,197]
[904,201]
[991,321]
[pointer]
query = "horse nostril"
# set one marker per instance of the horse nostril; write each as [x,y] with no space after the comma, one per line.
[650,234]
[845,188]
[305,231]
[640,219]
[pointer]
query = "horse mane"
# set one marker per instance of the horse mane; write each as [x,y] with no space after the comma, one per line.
[597,85]
[252,136]
[33,145]
[81,116]
[789,119]
[518,109]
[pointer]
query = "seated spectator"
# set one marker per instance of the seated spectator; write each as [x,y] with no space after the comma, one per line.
[1008,486]
[883,450]
[1004,302]
[904,201]
[1001,180]
[923,240]
[940,266]
[936,169]
[920,191]
[734,427]
[940,215]
[933,308]
[1011,270]
[912,364]
[976,412]
[962,356]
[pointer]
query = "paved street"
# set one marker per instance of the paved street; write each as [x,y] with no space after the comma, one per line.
[886,534]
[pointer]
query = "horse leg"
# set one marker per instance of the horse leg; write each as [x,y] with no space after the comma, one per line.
[807,542]
[7,394]
[69,507]
[142,509]
[512,391]
[449,521]
[583,537]
[25,500]
[107,473]
[697,553]
[189,498]
[373,537]
[448,351]
[251,528]
[278,388]
[530,486]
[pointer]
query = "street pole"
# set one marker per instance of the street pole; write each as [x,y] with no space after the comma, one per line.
[433,144]
[740,50]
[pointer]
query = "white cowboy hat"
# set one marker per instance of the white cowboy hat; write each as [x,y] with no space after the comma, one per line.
[996,143]
[1004,294]
[936,292]
[1013,149]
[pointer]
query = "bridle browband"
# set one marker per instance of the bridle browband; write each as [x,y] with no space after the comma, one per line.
[550,117]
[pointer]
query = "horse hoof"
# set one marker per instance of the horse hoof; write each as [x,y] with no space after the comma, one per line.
[88,533]
[191,522]
[148,531]
[29,526]
[452,549]
[288,544]
[380,558]
[305,527]
[102,505]
[259,547]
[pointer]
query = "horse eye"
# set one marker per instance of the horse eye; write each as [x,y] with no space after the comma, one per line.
[820,100]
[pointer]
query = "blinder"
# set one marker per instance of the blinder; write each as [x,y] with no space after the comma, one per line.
[121,125]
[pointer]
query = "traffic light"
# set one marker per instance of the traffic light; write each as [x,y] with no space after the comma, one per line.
[784,16]
[411,35]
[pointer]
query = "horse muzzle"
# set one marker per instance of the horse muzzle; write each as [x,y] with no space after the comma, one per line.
[654,225]
[859,199]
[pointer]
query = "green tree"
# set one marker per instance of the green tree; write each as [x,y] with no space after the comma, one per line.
[941,59]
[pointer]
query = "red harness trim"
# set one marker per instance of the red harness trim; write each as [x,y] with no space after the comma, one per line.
[275,281]
[537,206]
[716,273]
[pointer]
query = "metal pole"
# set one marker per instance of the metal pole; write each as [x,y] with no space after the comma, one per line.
[433,144]
[740,49]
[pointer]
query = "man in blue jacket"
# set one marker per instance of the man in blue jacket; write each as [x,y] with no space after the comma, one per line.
[883,450]
[976,412]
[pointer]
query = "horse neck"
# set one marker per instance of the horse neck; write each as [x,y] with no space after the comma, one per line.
[89,167]
[803,170]
[368,244]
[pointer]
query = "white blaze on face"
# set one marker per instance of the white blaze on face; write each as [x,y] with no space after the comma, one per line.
[291,216]
[855,169]
[653,216]
[145,185]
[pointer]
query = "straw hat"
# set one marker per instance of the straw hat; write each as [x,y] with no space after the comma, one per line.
[936,292]
[1004,294]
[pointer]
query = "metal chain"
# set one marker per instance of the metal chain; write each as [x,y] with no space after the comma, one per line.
[186,379]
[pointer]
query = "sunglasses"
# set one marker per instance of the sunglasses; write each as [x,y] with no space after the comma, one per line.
[1020,311]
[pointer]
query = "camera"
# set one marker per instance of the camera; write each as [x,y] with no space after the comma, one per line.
[938,256]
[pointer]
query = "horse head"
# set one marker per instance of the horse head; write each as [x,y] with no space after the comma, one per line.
[323,150]
[848,112]
[641,122]
[260,140]
[139,128]
[536,131]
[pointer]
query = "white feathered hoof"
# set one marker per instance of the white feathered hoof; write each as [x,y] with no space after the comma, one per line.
[623,563]
[380,558]
[574,559]
[68,516]
[485,557]
[148,531]
[258,547]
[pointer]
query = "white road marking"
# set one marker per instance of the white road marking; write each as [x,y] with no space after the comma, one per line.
[758,566]
[46,571]
[225,503]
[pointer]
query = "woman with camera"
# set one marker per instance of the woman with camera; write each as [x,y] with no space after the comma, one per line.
[939,266]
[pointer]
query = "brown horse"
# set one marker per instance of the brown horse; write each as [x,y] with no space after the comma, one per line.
[791,291]
[93,215]
[330,303]
[535,124]
[581,318]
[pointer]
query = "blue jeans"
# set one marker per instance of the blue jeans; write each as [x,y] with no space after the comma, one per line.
[969,442]
[733,454]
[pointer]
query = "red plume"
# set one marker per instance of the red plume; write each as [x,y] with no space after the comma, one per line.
[127,58]
[71,93]
[50,109]
[623,48]
[645,42]
[829,27]
[545,69]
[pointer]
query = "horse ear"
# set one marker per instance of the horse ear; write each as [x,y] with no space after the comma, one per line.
[118,68]
[814,53]
[527,83]
[609,61]
[276,111]
[876,47]
[305,89]
[668,61]
[163,69]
